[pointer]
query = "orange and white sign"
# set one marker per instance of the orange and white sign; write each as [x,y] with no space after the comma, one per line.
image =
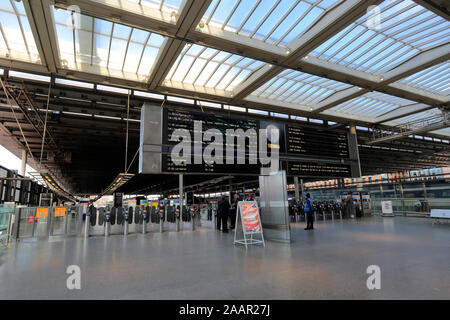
[41,213]
[250,217]
[60,212]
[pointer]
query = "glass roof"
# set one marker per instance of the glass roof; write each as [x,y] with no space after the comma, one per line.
[405,29]
[163,10]
[435,79]
[163,5]
[296,87]
[414,117]
[444,132]
[96,46]
[277,22]
[16,38]
[369,106]
[103,47]
[206,67]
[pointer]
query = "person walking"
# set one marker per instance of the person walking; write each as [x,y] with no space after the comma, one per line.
[222,213]
[309,210]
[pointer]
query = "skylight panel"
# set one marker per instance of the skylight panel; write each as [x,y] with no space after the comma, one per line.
[414,117]
[166,10]
[443,132]
[205,67]
[16,38]
[296,87]
[273,21]
[405,30]
[435,79]
[98,46]
[369,106]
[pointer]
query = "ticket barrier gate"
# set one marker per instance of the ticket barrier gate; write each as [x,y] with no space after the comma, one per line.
[42,222]
[162,215]
[209,215]
[194,215]
[185,215]
[145,218]
[214,216]
[107,221]
[177,217]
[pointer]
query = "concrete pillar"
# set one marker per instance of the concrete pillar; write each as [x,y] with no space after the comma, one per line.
[230,187]
[302,188]
[297,189]
[24,163]
[354,152]
[180,186]
[297,195]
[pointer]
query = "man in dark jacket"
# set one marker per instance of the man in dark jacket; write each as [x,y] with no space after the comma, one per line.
[234,209]
[222,213]
[350,206]
[309,210]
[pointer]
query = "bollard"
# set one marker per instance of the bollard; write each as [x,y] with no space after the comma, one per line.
[177,217]
[125,228]
[107,228]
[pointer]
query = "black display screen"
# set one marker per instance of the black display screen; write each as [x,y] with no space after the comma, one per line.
[310,142]
[293,141]
[174,119]
[318,169]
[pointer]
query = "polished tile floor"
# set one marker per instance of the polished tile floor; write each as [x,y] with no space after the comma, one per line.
[327,263]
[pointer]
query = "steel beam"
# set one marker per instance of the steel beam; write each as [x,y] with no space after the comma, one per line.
[443,10]
[188,19]
[40,18]
[330,24]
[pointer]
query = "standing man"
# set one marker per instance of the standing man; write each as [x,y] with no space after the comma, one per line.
[350,206]
[222,213]
[309,210]
[234,209]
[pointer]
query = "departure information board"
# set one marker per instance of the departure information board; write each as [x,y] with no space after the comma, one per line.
[174,119]
[314,148]
[310,142]
[318,169]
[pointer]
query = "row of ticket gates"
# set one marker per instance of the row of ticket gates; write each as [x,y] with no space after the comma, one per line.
[328,210]
[163,212]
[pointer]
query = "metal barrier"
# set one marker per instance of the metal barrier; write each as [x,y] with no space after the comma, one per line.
[418,207]
[6,221]
[44,222]
[41,222]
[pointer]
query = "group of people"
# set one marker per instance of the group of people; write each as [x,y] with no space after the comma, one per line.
[227,209]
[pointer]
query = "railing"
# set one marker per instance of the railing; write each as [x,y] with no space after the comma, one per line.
[418,207]
[6,220]
[431,123]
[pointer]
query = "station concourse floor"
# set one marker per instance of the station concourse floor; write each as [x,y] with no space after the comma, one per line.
[327,263]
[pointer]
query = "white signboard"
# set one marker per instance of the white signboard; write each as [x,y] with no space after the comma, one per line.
[440,213]
[386,207]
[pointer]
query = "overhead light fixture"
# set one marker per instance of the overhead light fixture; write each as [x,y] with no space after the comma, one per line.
[119,181]
[288,51]
[306,57]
